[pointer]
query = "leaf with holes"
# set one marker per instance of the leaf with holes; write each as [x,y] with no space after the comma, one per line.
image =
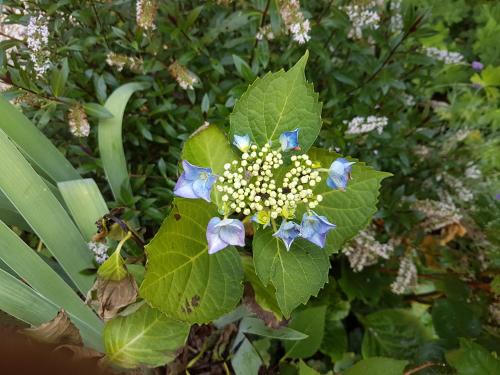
[276,103]
[145,337]
[182,279]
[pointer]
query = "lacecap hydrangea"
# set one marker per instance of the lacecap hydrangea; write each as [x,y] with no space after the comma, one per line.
[267,186]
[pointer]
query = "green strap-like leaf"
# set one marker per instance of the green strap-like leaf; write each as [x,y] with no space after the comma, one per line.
[182,279]
[145,337]
[110,140]
[27,191]
[209,147]
[350,210]
[276,103]
[40,151]
[19,300]
[296,275]
[85,203]
[40,276]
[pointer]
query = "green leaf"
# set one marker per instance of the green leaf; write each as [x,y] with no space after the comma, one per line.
[113,268]
[306,370]
[34,145]
[246,360]
[473,359]
[182,279]
[85,203]
[305,265]
[199,150]
[350,210]
[34,271]
[59,78]
[377,366]
[276,103]
[454,319]
[256,326]
[310,321]
[334,340]
[97,111]
[30,195]
[146,337]
[393,333]
[19,300]
[265,296]
[110,140]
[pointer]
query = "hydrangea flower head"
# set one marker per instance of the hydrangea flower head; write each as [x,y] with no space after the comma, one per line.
[224,232]
[290,140]
[314,228]
[242,142]
[288,232]
[195,182]
[339,173]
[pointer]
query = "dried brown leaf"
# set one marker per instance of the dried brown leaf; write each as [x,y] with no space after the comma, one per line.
[109,297]
[59,330]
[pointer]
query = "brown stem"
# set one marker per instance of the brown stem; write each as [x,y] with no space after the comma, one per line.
[262,21]
[421,367]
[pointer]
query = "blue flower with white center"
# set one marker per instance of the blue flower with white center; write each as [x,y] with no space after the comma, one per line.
[288,232]
[339,173]
[314,228]
[195,182]
[222,233]
[290,140]
[242,142]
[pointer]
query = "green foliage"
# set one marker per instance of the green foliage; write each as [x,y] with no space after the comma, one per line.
[472,358]
[145,337]
[392,333]
[182,279]
[276,103]
[378,366]
[310,321]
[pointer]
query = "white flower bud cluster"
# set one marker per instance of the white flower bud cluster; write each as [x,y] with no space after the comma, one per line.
[37,41]
[100,251]
[185,78]
[265,32]
[364,250]
[78,121]
[407,276]
[462,192]
[360,125]
[146,14]
[249,185]
[362,17]
[473,172]
[445,56]
[294,20]
[396,22]
[119,61]
[437,214]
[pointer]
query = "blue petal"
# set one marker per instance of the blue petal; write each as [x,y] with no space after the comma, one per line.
[318,239]
[232,231]
[289,140]
[242,142]
[184,188]
[215,243]
[288,232]
[192,172]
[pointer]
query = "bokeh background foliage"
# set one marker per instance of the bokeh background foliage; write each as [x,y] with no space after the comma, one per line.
[440,144]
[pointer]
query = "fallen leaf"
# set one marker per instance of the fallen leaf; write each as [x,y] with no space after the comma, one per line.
[59,330]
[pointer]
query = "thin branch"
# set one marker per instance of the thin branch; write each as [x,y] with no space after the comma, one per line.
[421,367]
[262,22]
